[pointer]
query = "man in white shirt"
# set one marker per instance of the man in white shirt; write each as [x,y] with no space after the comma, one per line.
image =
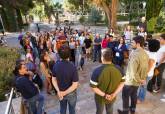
[161,62]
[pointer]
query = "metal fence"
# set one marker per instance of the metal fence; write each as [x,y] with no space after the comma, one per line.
[9,108]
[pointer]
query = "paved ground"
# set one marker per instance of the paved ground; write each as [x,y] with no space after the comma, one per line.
[85,103]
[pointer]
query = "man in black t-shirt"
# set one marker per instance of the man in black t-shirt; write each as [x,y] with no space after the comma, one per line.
[88,43]
[65,80]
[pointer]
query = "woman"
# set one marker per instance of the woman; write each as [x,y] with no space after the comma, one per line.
[78,54]
[72,47]
[119,52]
[104,43]
[153,46]
[44,66]
[128,33]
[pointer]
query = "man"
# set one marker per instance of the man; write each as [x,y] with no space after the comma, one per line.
[135,75]
[161,62]
[88,44]
[97,47]
[34,100]
[65,80]
[106,82]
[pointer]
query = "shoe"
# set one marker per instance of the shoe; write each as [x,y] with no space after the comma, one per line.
[120,111]
[156,90]
[94,60]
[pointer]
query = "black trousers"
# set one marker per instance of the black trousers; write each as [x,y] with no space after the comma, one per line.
[129,92]
[158,79]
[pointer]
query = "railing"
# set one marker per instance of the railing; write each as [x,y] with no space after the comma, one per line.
[9,108]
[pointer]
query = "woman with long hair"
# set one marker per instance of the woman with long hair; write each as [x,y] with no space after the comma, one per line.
[44,66]
[119,52]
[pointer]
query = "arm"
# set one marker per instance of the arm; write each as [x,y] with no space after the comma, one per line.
[162,59]
[73,87]
[54,82]
[44,70]
[98,91]
[151,62]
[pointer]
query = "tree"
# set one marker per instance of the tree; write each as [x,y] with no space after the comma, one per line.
[110,9]
[56,9]
[75,6]
[152,13]
[95,16]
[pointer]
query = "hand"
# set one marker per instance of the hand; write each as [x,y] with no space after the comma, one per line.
[143,82]
[60,96]
[110,97]
[63,93]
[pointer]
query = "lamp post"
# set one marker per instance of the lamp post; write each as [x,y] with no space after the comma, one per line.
[2,21]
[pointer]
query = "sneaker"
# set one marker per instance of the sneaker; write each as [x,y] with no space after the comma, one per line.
[163,99]
[156,90]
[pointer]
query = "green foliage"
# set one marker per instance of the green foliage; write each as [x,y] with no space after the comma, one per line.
[160,22]
[151,24]
[122,18]
[82,20]
[153,11]
[74,6]
[95,16]
[8,57]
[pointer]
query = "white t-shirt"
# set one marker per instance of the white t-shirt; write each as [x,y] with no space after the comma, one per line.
[81,38]
[152,55]
[128,35]
[143,34]
[160,53]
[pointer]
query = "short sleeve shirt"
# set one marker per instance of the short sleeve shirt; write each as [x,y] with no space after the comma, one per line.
[65,73]
[106,78]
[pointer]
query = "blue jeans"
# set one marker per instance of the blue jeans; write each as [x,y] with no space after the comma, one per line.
[97,53]
[69,99]
[143,89]
[100,108]
[35,104]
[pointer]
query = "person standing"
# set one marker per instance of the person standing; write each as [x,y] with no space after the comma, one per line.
[106,82]
[160,62]
[88,45]
[30,93]
[97,47]
[135,75]
[65,80]
[153,47]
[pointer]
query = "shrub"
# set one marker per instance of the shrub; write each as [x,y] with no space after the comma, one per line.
[8,57]
[82,20]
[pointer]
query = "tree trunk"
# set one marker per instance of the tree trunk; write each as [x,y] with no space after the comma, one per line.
[107,11]
[114,7]
[19,18]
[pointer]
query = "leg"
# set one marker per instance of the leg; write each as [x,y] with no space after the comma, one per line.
[141,92]
[109,108]
[95,55]
[99,107]
[63,106]
[125,97]
[40,100]
[161,68]
[133,99]
[72,99]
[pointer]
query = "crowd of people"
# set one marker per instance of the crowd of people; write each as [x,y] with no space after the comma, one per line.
[52,60]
